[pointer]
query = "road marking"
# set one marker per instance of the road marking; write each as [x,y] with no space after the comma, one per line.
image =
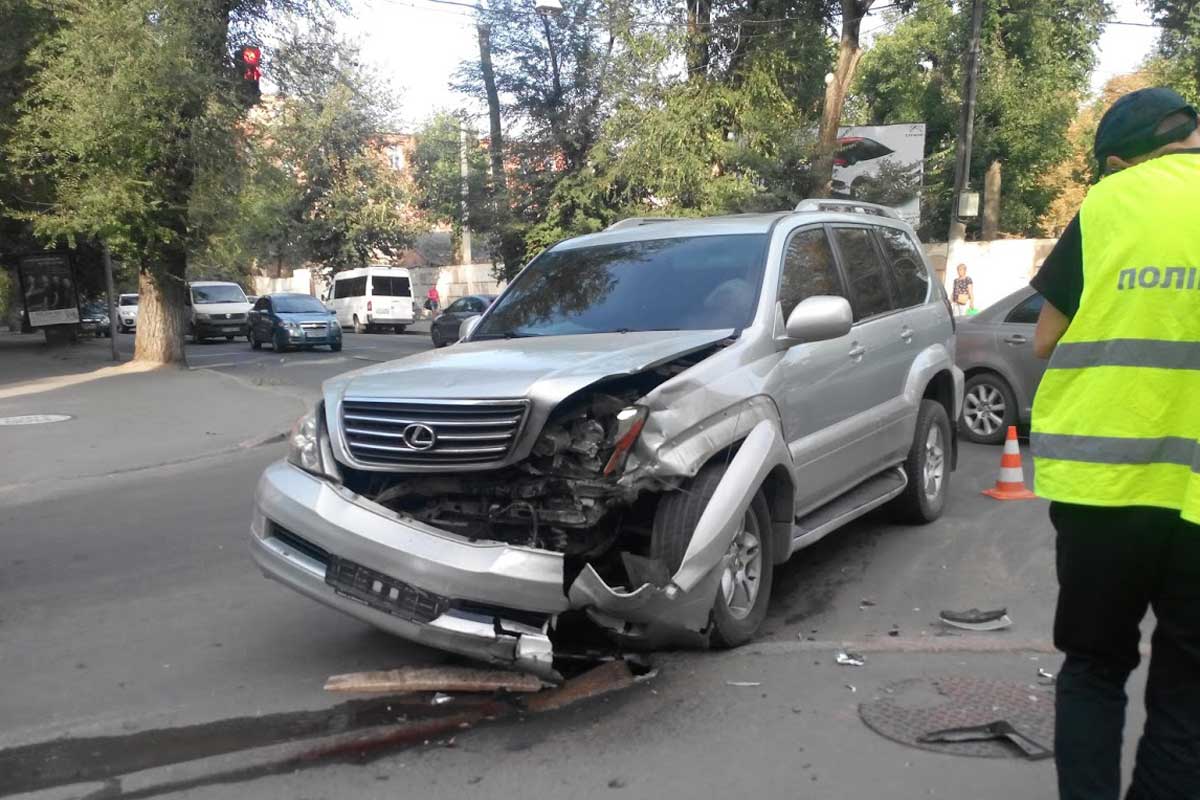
[929,644]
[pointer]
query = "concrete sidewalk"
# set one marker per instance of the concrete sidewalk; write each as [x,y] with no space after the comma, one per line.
[134,420]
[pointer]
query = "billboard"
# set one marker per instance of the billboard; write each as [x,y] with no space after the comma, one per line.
[882,164]
[48,288]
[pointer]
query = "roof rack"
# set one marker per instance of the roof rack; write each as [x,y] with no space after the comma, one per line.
[846,206]
[634,222]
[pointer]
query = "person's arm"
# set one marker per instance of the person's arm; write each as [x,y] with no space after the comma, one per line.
[1051,325]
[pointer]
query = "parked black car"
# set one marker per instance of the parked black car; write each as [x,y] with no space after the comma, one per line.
[93,318]
[444,329]
[293,320]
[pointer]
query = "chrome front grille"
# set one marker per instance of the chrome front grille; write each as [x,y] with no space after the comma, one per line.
[313,326]
[416,433]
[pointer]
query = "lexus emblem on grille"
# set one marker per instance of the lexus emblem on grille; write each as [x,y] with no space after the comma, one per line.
[419,437]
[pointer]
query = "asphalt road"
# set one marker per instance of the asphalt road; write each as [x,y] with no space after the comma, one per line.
[132,607]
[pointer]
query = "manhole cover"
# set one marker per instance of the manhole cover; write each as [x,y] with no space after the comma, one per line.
[908,709]
[34,419]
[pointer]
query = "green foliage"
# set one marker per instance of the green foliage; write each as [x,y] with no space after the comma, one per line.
[1177,63]
[1035,62]
[437,174]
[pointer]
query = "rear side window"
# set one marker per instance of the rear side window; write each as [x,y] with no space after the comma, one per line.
[868,283]
[912,279]
[389,286]
[350,287]
[808,270]
[1027,311]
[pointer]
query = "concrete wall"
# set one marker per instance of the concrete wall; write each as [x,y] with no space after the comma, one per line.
[453,281]
[998,268]
[301,280]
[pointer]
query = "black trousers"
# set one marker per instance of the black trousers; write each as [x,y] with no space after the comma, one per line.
[1113,564]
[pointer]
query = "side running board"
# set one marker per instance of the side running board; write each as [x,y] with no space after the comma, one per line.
[868,495]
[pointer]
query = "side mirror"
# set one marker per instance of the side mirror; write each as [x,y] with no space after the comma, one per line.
[820,318]
[468,326]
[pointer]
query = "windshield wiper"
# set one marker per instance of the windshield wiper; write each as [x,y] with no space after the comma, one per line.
[638,330]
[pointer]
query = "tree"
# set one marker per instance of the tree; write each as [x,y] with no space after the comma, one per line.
[437,175]
[1036,60]
[123,132]
[1178,59]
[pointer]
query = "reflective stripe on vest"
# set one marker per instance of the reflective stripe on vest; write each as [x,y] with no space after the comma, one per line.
[1116,420]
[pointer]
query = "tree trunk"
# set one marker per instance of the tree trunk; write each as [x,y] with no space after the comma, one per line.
[849,53]
[699,19]
[511,247]
[991,202]
[161,314]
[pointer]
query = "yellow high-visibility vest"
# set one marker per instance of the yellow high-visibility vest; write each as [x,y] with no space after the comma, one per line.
[1116,420]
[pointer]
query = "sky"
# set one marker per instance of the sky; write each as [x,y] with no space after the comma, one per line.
[418,46]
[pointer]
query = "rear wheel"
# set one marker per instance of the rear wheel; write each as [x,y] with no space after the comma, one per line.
[989,407]
[927,467]
[744,591]
[398,328]
[230,338]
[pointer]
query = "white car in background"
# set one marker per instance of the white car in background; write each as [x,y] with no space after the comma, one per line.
[371,298]
[127,313]
[217,308]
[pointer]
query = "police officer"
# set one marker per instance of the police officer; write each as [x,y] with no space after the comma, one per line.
[1116,442]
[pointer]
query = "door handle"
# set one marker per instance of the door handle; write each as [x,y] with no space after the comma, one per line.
[906,333]
[1016,338]
[858,351]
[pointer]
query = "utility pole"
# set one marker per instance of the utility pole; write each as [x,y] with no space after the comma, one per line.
[466,191]
[112,303]
[966,133]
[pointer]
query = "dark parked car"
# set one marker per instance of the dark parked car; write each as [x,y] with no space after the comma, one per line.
[93,318]
[995,350]
[293,320]
[444,329]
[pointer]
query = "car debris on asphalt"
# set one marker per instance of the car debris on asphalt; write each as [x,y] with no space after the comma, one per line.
[1000,729]
[975,620]
[434,679]
[441,698]
[850,659]
[1047,677]
[743,684]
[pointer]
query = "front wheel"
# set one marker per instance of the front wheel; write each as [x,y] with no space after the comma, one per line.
[279,342]
[358,326]
[336,347]
[398,328]
[744,591]
[927,467]
[989,407]
[255,344]
[230,338]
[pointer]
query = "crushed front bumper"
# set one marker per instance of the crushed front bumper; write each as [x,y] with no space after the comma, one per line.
[481,579]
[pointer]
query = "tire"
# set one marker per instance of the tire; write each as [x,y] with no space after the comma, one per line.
[929,456]
[989,407]
[336,348]
[398,328]
[732,622]
[230,338]
[255,344]
[279,342]
[436,341]
[358,326]
[196,338]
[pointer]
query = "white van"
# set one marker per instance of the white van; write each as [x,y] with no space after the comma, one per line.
[372,297]
[217,308]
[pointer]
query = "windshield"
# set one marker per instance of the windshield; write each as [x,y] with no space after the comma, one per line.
[94,310]
[129,299]
[222,293]
[299,304]
[694,283]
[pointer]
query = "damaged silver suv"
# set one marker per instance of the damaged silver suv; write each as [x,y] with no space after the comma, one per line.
[641,427]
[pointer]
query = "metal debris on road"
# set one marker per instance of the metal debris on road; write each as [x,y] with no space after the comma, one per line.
[998,730]
[1047,677]
[648,676]
[866,602]
[743,684]
[850,659]
[440,699]
[434,679]
[975,620]
[851,687]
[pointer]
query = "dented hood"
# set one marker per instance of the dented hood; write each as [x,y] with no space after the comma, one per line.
[547,368]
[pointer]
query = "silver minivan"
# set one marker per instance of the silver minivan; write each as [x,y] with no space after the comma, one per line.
[644,424]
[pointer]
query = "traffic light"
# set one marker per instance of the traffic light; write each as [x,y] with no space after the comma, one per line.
[249,64]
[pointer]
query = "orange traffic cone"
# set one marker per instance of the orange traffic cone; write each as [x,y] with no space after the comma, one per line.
[1011,483]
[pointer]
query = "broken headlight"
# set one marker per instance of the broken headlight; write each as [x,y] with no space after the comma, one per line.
[304,443]
[630,421]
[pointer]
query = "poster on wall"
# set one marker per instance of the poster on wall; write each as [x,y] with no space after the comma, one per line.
[48,288]
[882,164]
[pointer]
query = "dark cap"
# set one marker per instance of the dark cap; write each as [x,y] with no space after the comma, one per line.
[1130,127]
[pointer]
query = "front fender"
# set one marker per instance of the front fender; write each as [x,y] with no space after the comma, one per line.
[687,599]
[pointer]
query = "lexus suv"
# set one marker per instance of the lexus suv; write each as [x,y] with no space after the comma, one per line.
[644,424]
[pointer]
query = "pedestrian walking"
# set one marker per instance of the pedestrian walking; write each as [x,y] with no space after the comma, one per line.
[963,292]
[432,298]
[1116,441]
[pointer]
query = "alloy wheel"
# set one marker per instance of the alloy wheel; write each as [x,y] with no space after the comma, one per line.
[934,469]
[742,578]
[984,409]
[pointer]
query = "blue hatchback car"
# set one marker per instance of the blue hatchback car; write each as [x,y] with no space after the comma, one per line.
[293,321]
